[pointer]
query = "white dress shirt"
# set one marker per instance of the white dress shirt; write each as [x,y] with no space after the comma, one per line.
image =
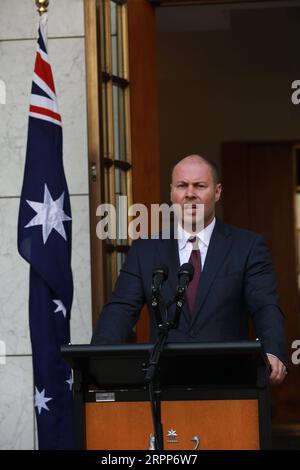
[185,246]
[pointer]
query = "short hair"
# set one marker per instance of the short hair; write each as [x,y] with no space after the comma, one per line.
[214,168]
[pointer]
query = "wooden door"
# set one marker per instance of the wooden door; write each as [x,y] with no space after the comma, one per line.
[144,115]
[259,192]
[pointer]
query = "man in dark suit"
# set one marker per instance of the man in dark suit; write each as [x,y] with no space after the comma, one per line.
[233,278]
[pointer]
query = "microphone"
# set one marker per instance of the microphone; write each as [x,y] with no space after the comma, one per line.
[159,275]
[185,275]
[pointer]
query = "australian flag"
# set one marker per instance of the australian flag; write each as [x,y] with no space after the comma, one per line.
[44,241]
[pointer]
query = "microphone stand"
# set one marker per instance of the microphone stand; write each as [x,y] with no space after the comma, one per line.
[151,377]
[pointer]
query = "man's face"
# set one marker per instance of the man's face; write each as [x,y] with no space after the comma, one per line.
[193,183]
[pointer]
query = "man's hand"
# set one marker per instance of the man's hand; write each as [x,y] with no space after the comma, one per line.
[278,370]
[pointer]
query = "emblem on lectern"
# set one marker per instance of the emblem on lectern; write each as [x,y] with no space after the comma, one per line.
[172,436]
[152,442]
[197,442]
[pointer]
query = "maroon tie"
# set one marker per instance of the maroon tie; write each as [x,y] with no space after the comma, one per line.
[195,260]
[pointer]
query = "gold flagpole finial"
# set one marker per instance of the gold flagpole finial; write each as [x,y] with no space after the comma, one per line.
[42,6]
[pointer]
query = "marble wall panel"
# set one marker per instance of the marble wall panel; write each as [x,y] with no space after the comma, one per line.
[17,60]
[16,404]
[19,19]
[14,275]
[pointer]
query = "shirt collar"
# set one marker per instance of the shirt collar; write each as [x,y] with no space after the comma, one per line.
[204,235]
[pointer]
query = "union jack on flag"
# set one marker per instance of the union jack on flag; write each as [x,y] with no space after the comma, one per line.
[43,102]
[44,241]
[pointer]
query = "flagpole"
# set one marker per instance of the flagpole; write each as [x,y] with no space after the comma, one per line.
[42,6]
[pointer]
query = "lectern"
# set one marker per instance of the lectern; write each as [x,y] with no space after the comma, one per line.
[213,396]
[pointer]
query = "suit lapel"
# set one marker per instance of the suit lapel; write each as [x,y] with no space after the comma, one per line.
[219,246]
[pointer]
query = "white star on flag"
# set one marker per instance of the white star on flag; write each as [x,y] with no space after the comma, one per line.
[50,214]
[41,400]
[70,381]
[60,307]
